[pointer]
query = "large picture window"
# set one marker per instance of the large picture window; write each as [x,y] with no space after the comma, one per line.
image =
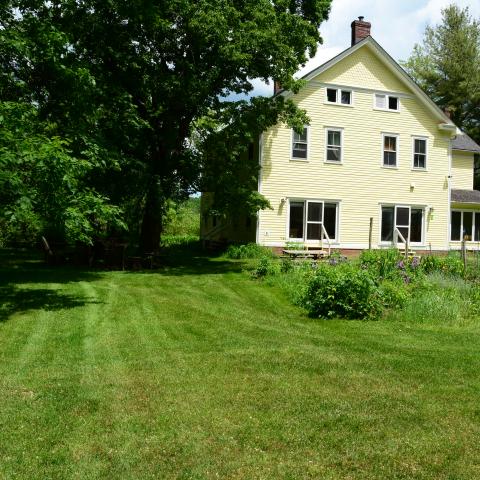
[307,217]
[407,220]
[464,224]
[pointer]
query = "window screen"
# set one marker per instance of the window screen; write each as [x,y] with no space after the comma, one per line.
[330,220]
[456,223]
[416,223]
[296,220]
[388,214]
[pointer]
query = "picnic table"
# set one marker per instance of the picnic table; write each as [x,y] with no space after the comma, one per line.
[315,254]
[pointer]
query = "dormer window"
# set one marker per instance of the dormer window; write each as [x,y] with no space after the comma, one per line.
[339,96]
[387,102]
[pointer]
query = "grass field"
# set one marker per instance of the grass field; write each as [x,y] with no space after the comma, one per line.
[199,372]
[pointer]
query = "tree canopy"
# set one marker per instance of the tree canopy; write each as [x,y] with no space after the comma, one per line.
[447,66]
[139,90]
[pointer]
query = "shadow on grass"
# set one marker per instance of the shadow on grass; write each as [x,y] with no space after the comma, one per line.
[20,269]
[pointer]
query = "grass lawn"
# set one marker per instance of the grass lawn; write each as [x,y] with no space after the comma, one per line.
[199,372]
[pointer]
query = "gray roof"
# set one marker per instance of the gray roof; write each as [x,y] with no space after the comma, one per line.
[466,196]
[464,142]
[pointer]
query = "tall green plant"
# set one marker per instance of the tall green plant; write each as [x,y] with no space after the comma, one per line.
[447,66]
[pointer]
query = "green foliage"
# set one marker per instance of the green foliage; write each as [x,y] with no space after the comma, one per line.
[440,299]
[294,246]
[448,265]
[266,266]
[248,250]
[178,240]
[447,66]
[157,91]
[394,293]
[381,263]
[343,291]
[182,218]
[44,189]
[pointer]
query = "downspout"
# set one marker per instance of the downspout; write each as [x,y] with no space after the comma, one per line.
[259,186]
[449,183]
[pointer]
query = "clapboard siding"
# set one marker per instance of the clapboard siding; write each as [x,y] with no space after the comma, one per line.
[360,183]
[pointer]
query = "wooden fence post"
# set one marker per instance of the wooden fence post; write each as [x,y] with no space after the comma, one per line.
[370,234]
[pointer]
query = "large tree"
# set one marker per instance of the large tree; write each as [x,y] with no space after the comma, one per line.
[447,66]
[133,81]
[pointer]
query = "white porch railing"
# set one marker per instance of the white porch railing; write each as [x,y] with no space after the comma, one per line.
[396,235]
[325,235]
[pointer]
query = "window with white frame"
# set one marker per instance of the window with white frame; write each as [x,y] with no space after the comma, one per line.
[300,144]
[339,96]
[387,102]
[310,219]
[334,145]
[406,219]
[419,153]
[465,224]
[390,149]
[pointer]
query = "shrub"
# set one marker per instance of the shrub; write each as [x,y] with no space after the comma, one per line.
[248,250]
[266,266]
[448,265]
[344,291]
[381,263]
[394,294]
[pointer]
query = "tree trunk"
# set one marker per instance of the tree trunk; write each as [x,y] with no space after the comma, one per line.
[151,229]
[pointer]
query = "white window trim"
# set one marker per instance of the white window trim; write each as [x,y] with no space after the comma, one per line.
[333,129]
[419,169]
[339,91]
[387,97]
[294,159]
[384,243]
[462,211]
[397,136]
[334,241]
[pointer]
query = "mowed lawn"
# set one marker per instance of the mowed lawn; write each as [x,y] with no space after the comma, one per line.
[198,372]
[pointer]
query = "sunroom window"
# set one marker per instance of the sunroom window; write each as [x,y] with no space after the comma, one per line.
[407,220]
[464,225]
[307,217]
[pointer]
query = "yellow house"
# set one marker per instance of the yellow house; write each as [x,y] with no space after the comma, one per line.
[379,164]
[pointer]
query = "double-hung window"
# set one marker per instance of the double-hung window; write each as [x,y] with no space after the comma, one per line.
[334,142]
[387,102]
[405,220]
[310,219]
[419,153]
[300,144]
[390,150]
[339,96]
[464,224]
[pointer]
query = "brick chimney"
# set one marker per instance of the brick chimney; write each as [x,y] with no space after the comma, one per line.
[360,30]
[276,87]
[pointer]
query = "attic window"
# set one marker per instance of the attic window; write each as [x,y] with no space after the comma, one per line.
[387,102]
[339,96]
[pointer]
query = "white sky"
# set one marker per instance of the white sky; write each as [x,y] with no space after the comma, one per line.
[396,24]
